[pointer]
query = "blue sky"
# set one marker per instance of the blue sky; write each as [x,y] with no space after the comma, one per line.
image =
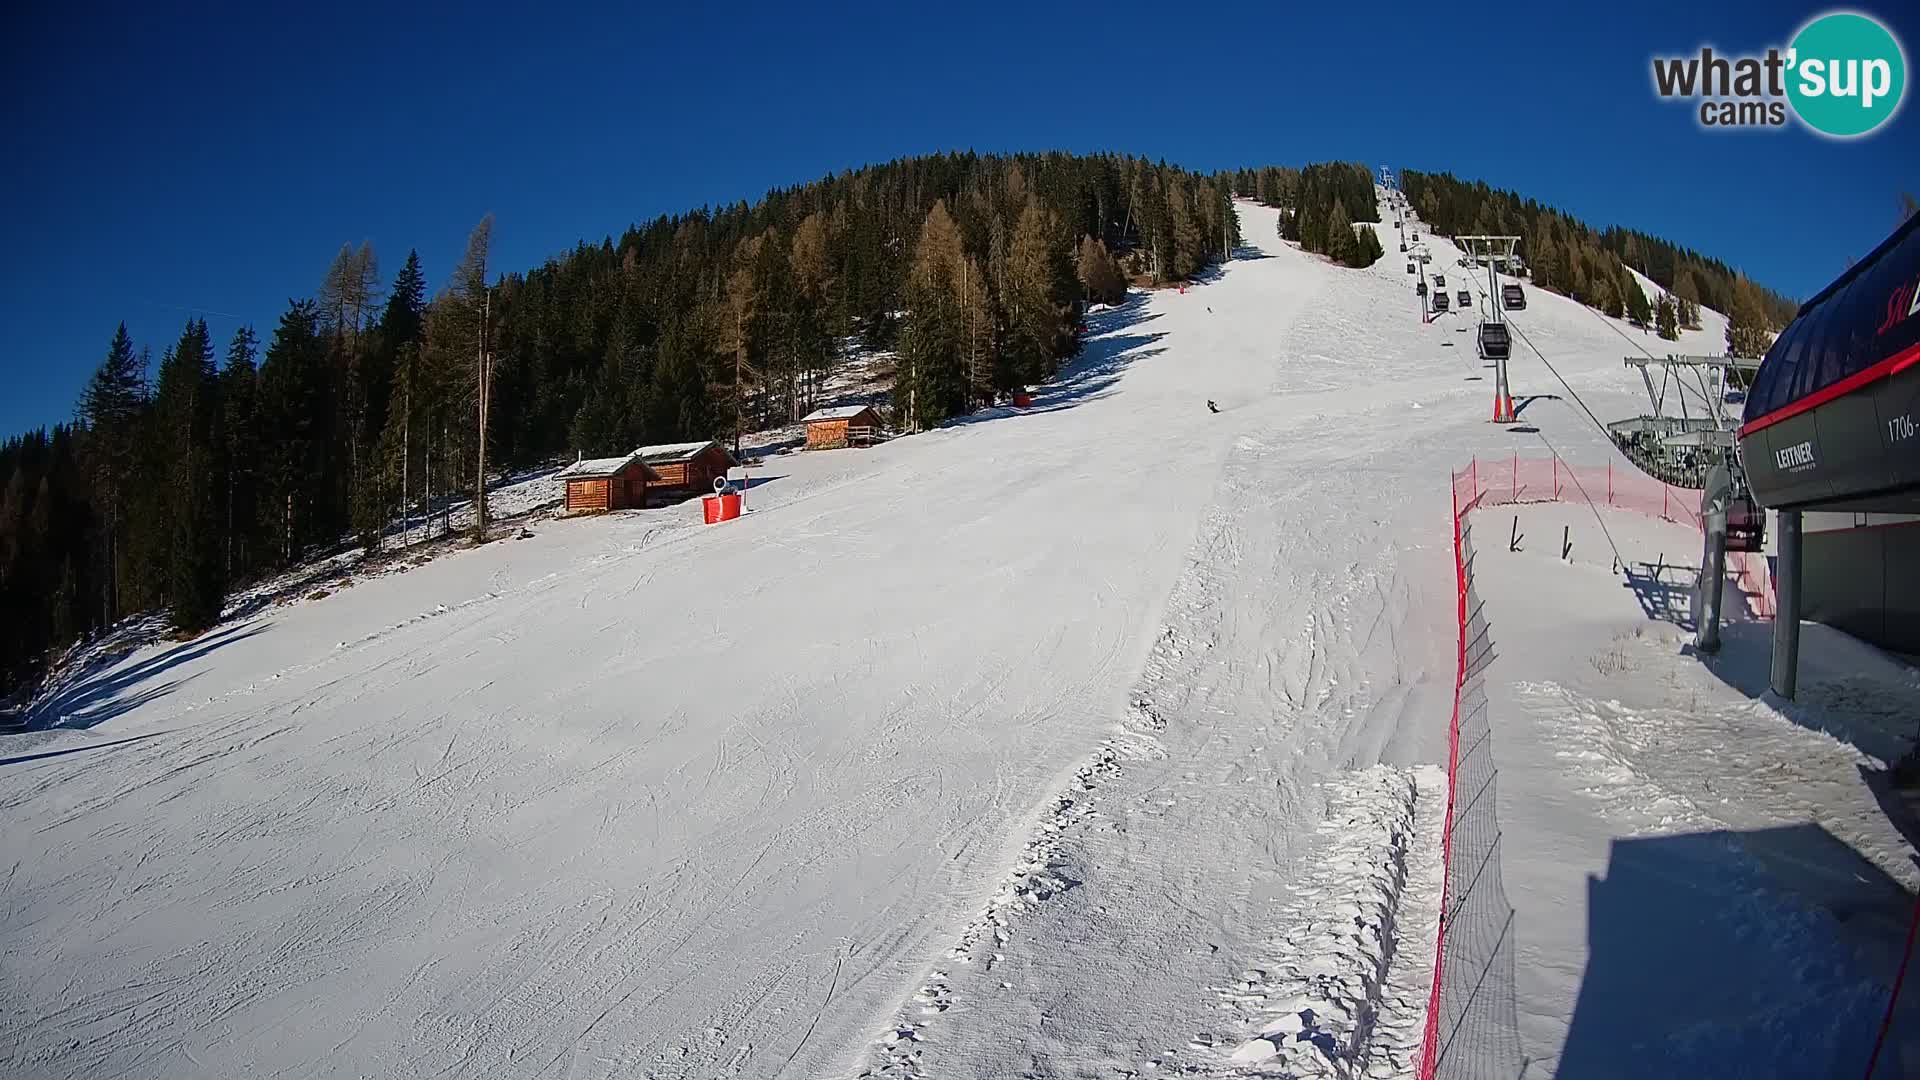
[217,160]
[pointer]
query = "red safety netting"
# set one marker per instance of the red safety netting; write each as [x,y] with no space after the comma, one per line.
[1472,1029]
[1514,480]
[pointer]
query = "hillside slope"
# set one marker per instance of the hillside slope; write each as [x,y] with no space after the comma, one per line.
[1049,743]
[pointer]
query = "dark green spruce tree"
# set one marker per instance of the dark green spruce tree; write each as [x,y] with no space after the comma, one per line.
[112,409]
[293,390]
[186,409]
[240,430]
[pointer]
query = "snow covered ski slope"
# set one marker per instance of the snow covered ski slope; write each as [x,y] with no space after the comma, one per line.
[1055,743]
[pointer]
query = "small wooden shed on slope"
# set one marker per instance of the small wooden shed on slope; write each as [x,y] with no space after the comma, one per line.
[599,484]
[682,469]
[844,425]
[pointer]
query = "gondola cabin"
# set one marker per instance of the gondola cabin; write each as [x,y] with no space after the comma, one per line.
[685,469]
[845,425]
[596,485]
[1493,341]
[1439,300]
[1513,297]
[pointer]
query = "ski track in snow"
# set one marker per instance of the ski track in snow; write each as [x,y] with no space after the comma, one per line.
[1309,635]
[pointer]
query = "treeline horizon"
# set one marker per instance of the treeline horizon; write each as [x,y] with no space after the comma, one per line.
[183,479]
[1570,257]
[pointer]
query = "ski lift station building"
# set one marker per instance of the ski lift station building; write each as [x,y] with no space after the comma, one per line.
[595,485]
[1832,434]
[845,425]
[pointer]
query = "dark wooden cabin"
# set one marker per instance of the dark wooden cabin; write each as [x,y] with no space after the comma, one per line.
[596,485]
[846,425]
[680,470]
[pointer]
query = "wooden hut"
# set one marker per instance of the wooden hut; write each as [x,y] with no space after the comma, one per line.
[683,469]
[595,485]
[845,425]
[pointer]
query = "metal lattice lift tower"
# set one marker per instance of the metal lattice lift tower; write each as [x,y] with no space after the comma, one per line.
[1698,449]
[1495,251]
[1681,449]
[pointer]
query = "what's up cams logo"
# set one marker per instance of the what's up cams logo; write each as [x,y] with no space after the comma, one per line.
[1843,75]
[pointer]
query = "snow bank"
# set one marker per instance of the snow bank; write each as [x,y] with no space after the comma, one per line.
[1324,1004]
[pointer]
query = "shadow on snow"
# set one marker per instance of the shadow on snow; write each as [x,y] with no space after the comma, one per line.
[1768,952]
[1108,350]
[104,689]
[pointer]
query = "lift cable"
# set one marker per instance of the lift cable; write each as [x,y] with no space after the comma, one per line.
[1602,428]
[1574,475]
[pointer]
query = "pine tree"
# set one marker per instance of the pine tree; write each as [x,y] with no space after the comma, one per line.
[111,407]
[397,447]
[1186,242]
[187,411]
[456,334]
[746,334]
[1667,319]
[811,320]
[980,349]
[240,429]
[292,394]
[1687,295]
[1639,312]
[1544,260]
[1100,277]
[678,405]
[406,304]
[1747,331]
[1368,248]
[1039,327]
[1341,245]
[931,380]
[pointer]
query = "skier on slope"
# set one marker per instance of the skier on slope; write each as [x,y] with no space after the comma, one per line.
[1211,407]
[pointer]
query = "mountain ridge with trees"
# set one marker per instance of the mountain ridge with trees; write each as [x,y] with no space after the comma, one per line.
[369,398]
[1570,257]
[363,403]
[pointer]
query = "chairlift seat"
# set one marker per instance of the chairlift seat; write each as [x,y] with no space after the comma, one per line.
[1746,524]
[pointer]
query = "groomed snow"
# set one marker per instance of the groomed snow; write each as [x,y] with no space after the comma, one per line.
[1091,739]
